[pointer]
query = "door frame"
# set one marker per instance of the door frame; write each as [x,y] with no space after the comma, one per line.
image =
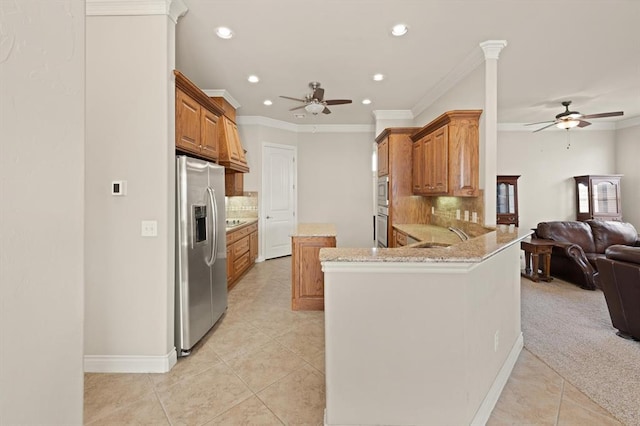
[263,185]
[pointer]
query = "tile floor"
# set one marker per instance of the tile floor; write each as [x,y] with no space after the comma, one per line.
[263,364]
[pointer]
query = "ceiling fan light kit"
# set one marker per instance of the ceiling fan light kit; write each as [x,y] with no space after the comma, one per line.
[314,108]
[567,124]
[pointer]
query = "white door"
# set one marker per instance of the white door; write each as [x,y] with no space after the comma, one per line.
[278,189]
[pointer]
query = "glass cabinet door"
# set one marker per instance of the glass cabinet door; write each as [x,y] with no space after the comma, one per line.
[598,197]
[507,200]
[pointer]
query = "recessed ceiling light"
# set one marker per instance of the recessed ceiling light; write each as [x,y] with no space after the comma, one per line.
[399,30]
[378,77]
[268,102]
[366,101]
[253,79]
[224,32]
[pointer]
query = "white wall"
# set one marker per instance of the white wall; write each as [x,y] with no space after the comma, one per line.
[130,110]
[546,188]
[41,211]
[628,164]
[334,184]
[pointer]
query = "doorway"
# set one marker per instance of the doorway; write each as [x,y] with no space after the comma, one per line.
[279,198]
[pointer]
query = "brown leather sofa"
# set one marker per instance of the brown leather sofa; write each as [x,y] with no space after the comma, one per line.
[577,245]
[619,279]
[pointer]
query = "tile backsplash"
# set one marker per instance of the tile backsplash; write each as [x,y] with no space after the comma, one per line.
[446,211]
[245,206]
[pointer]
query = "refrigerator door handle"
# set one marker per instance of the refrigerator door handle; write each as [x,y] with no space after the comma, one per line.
[214,228]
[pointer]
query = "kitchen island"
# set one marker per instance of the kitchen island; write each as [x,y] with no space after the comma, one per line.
[421,335]
[307,278]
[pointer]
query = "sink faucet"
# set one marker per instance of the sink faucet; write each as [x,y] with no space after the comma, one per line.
[459,232]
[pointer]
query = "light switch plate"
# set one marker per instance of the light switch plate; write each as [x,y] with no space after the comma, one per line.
[466,215]
[119,187]
[149,228]
[458,214]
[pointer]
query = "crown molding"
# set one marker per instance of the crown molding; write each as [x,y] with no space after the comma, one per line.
[256,120]
[222,93]
[393,114]
[174,9]
[470,63]
[629,122]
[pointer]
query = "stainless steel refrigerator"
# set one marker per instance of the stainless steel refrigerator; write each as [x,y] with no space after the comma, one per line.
[201,271]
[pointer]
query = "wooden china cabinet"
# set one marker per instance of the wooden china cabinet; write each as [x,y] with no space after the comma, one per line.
[507,200]
[598,197]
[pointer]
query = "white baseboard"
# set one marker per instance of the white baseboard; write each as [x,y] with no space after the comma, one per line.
[490,400]
[130,363]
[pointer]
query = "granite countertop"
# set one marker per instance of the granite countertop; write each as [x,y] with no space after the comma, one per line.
[473,250]
[315,230]
[429,233]
[246,221]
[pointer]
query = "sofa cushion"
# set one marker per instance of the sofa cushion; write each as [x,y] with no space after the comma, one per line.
[569,231]
[608,233]
[623,253]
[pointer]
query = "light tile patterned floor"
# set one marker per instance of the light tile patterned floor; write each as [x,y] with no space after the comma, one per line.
[263,364]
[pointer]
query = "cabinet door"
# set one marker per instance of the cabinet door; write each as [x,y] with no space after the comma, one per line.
[232,139]
[438,162]
[417,172]
[230,275]
[605,196]
[187,123]
[383,158]
[253,246]
[208,132]
[463,158]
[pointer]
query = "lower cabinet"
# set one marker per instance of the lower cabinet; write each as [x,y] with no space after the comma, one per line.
[399,238]
[307,277]
[242,251]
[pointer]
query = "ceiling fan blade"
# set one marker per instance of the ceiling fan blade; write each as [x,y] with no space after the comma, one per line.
[603,114]
[301,106]
[318,94]
[338,101]
[293,99]
[540,122]
[326,110]
[584,123]
[542,128]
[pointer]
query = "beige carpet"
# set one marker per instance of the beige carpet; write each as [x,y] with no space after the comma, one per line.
[570,329]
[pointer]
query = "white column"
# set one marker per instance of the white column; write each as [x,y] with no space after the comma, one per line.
[491,50]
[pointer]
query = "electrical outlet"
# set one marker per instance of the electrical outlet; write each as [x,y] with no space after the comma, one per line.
[433,210]
[149,228]
[458,214]
[466,215]
[496,340]
[474,217]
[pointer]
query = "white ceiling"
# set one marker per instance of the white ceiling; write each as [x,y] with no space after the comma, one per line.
[587,51]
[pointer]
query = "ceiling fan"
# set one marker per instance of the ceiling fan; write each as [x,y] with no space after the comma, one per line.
[570,119]
[314,103]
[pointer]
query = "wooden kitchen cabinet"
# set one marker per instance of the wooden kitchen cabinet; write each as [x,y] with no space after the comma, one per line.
[242,251]
[400,238]
[307,277]
[233,183]
[395,155]
[449,164]
[197,120]
[232,154]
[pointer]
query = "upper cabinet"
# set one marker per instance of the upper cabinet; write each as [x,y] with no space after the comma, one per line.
[598,197]
[383,157]
[231,152]
[196,120]
[206,127]
[446,155]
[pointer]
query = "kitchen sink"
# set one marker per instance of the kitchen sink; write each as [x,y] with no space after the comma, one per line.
[429,244]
